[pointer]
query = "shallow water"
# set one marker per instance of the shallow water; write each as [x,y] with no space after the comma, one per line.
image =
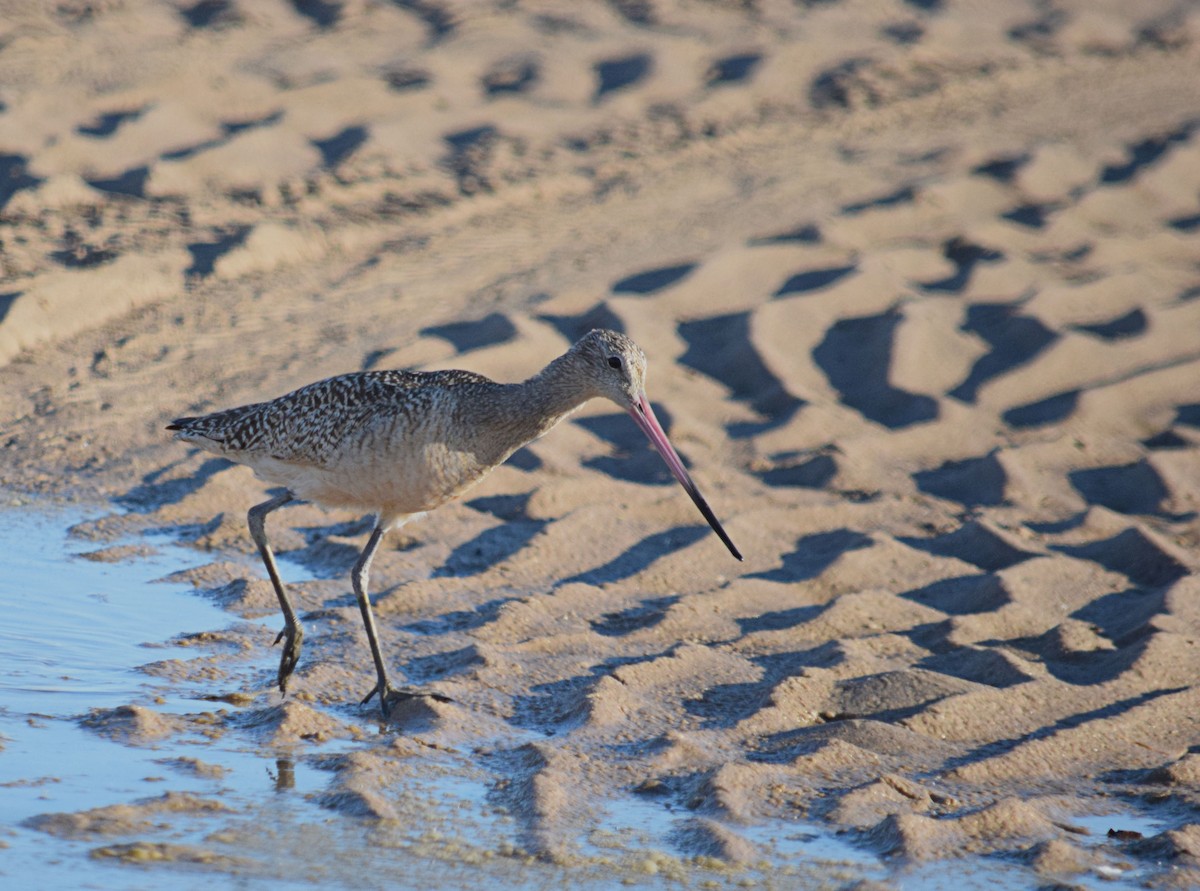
[75,628]
[75,632]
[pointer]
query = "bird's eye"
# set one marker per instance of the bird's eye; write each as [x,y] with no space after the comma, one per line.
[614,361]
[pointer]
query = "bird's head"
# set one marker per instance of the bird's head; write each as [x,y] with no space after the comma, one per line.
[615,367]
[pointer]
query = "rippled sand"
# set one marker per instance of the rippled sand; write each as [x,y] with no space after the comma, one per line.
[919,283]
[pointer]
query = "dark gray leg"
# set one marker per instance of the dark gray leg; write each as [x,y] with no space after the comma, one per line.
[388,695]
[292,634]
[359,577]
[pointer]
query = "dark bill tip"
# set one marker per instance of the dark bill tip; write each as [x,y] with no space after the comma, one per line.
[713,522]
[643,415]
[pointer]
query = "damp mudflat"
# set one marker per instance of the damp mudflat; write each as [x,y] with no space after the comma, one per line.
[117,775]
[923,318]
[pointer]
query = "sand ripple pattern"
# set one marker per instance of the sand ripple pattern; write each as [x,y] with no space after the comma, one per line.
[928,336]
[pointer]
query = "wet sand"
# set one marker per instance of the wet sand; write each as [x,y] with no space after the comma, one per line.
[919,287]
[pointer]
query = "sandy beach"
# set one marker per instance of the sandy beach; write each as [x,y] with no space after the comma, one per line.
[919,287]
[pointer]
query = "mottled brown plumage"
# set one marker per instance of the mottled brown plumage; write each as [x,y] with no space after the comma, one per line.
[399,443]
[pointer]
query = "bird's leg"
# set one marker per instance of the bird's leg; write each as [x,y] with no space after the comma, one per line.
[359,577]
[388,695]
[292,634]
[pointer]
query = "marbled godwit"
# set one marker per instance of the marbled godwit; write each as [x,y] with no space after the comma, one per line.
[399,443]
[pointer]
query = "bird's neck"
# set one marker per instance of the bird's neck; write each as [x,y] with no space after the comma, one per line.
[539,403]
[512,415]
[517,414]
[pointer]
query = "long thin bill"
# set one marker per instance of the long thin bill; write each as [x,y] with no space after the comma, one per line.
[643,416]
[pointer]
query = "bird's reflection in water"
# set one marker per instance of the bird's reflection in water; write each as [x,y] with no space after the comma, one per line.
[284,775]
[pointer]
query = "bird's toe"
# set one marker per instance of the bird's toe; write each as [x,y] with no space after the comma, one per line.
[390,697]
[293,637]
